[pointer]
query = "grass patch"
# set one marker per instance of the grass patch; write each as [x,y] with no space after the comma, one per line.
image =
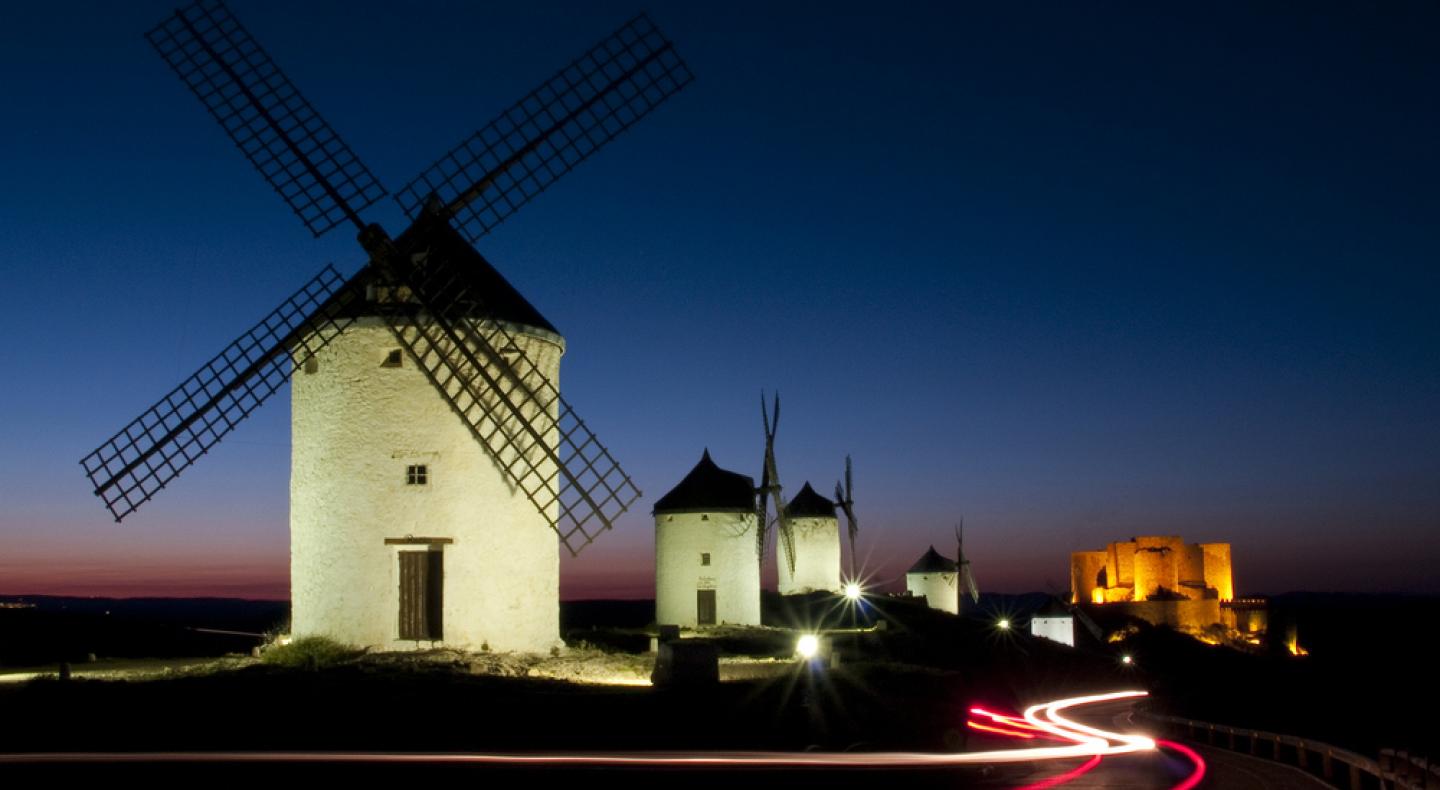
[309,653]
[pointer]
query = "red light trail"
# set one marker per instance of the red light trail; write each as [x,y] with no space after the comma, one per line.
[1189,782]
[1068,776]
[1199,762]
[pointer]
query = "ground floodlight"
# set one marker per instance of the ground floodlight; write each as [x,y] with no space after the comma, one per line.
[807,646]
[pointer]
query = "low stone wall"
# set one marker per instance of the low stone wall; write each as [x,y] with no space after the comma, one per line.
[1187,615]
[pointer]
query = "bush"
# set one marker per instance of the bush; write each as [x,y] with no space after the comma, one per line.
[309,652]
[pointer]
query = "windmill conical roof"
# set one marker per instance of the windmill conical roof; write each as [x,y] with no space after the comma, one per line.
[501,301]
[709,489]
[932,562]
[808,503]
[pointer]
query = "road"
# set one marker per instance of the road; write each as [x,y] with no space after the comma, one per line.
[1079,742]
[1165,768]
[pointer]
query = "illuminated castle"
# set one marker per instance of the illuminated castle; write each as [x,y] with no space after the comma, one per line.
[1152,567]
[1159,579]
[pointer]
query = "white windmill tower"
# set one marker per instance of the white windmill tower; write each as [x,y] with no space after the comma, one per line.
[705,569]
[934,578]
[942,581]
[807,532]
[435,466]
[810,560]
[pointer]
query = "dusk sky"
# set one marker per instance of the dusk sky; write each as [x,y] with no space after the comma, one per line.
[1076,272]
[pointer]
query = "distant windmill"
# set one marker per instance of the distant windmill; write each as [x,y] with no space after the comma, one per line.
[967,579]
[426,414]
[770,487]
[846,500]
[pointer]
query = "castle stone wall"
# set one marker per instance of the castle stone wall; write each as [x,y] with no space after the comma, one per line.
[1136,570]
[1182,615]
[1120,568]
[1085,568]
[1217,569]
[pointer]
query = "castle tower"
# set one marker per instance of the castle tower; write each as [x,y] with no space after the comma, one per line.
[936,578]
[707,571]
[816,534]
[405,533]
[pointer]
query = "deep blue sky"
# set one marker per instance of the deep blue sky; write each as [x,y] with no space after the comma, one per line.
[1076,271]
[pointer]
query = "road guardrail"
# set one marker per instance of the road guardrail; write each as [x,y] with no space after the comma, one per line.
[1339,767]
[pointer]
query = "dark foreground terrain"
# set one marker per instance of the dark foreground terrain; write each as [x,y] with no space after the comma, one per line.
[906,686]
[1364,685]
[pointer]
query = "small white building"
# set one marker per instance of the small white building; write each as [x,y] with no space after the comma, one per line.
[816,534]
[937,579]
[707,564]
[405,534]
[1054,622]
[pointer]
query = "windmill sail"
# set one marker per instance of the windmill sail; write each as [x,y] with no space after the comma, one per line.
[967,579]
[846,500]
[513,410]
[500,168]
[171,435]
[762,516]
[771,477]
[509,405]
[306,162]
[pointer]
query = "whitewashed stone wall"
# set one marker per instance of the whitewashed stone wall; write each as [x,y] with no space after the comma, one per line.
[733,573]
[941,589]
[356,426]
[817,557]
[1058,629]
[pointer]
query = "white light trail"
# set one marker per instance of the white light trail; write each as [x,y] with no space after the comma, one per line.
[1085,742]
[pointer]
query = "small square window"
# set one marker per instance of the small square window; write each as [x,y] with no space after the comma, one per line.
[417,475]
[705,558]
[311,365]
[392,360]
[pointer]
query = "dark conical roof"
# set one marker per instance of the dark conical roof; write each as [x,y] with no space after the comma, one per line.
[502,301]
[709,489]
[932,562]
[807,503]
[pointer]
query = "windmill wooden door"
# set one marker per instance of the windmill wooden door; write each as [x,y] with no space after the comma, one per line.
[705,607]
[422,581]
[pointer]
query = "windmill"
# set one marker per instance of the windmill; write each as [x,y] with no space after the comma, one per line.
[846,500]
[470,338]
[967,579]
[770,487]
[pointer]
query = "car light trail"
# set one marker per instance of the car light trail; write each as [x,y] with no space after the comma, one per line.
[1066,728]
[1084,742]
[1190,754]
[1070,775]
[1015,723]
[975,725]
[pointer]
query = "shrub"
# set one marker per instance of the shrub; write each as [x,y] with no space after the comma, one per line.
[310,653]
